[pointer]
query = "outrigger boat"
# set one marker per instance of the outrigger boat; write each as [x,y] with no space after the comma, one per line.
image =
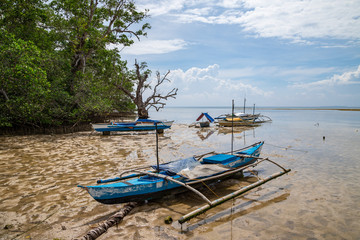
[241,118]
[146,185]
[236,122]
[138,125]
[138,185]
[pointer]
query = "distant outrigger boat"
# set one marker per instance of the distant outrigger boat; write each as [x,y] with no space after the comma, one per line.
[243,116]
[138,125]
[242,119]
[236,122]
[239,121]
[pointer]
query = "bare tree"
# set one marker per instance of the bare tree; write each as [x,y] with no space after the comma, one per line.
[156,99]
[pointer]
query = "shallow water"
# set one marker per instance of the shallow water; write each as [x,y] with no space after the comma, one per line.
[318,199]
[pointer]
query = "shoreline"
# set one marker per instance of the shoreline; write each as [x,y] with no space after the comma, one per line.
[335,109]
[272,108]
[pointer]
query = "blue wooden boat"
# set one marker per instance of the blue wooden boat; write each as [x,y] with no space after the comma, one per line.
[138,125]
[185,174]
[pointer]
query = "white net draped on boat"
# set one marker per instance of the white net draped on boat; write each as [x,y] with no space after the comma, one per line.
[190,168]
[202,170]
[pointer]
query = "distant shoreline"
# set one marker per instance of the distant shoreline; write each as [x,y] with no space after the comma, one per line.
[336,109]
[277,108]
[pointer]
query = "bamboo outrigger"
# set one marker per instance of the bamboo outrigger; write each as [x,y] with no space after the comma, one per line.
[232,195]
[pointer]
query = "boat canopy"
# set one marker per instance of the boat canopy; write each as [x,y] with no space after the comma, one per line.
[209,118]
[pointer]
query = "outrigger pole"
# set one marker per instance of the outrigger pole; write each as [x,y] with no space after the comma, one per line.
[230,196]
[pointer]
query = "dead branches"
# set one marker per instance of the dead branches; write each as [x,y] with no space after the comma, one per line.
[155,99]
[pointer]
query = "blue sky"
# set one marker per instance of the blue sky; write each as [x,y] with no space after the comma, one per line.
[274,53]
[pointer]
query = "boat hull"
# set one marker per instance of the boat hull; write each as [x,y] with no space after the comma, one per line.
[158,192]
[242,116]
[131,127]
[226,123]
[146,187]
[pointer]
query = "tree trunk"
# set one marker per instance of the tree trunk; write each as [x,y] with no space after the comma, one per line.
[142,112]
[141,107]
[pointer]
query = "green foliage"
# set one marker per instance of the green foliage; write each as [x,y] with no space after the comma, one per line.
[23,82]
[22,18]
[56,66]
[85,29]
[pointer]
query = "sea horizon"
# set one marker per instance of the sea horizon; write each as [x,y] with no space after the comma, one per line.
[355,108]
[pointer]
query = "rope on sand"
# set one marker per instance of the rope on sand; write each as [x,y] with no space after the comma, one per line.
[287,148]
[113,220]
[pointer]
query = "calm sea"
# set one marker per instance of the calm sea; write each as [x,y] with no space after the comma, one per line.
[318,199]
[322,147]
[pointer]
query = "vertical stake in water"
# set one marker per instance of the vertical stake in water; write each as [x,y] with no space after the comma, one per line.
[254,113]
[157,148]
[244,103]
[232,127]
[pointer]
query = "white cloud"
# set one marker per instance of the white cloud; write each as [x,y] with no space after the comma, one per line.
[297,20]
[208,80]
[154,47]
[303,19]
[238,72]
[347,78]
[230,3]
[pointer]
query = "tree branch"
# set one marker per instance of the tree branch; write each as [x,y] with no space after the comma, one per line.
[122,88]
[93,7]
[156,97]
[115,17]
[5,95]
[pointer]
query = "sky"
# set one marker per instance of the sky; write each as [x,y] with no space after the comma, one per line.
[273,53]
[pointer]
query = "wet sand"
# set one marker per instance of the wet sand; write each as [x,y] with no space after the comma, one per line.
[40,200]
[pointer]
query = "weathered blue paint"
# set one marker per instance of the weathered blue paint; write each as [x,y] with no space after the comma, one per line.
[139,125]
[142,188]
